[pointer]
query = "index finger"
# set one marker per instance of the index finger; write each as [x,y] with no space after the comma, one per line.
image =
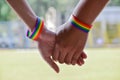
[52,64]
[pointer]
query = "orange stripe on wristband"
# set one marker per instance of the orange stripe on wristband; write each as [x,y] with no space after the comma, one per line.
[80,25]
[37,30]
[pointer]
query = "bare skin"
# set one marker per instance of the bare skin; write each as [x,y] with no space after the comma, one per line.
[46,40]
[69,42]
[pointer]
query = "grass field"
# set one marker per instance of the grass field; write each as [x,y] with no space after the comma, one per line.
[102,64]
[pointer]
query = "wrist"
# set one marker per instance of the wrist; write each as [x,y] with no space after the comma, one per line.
[38,28]
[43,32]
[79,25]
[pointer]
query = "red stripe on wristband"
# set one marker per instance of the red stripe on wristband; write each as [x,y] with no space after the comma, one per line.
[37,30]
[80,25]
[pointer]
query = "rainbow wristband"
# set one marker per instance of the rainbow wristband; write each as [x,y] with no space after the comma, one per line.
[37,30]
[80,25]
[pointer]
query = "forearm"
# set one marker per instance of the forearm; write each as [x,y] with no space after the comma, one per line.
[24,11]
[88,10]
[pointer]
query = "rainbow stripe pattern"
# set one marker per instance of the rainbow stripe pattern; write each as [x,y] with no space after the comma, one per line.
[37,30]
[80,25]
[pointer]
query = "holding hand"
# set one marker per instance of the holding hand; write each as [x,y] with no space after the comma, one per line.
[69,46]
[46,43]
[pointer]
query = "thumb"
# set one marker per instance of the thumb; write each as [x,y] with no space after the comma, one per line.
[52,64]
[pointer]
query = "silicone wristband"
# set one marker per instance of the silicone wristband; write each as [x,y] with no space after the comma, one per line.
[37,30]
[80,25]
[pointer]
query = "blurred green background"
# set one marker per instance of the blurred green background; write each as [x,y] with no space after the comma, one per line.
[28,65]
[20,59]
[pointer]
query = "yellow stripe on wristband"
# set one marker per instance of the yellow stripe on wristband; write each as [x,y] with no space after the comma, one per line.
[80,25]
[37,30]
